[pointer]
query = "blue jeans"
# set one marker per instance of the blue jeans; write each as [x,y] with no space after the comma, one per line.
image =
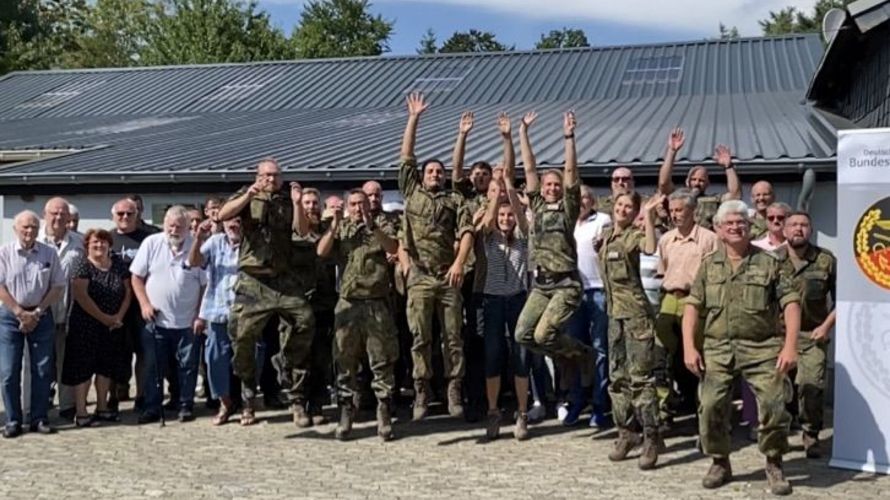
[590,325]
[40,348]
[218,356]
[158,344]
[500,314]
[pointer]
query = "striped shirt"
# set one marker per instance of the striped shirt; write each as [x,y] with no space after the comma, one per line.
[506,264]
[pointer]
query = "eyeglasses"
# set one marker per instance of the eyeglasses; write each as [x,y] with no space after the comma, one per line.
[125,214]
[620,179]
[775,218]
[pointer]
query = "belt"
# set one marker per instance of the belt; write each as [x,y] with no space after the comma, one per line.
[432,271]
[680,294]
[549,278]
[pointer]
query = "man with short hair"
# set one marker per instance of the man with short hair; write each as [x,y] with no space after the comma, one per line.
[622,180]
[140,214]
[269,285]
[774,239]
[438,240]
[195,217]
[211,211]
[74,219]
[169,292]
[762,196]
[740,290]
[681,251]
[698,181]
[814,274]
[69,247]
[31,282]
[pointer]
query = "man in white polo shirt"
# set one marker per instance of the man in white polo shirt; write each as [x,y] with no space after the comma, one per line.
[590,323]
[169,294]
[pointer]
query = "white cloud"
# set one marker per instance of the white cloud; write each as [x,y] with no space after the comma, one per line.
[691,15]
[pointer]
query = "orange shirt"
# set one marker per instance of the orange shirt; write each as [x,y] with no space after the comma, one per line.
[681,256]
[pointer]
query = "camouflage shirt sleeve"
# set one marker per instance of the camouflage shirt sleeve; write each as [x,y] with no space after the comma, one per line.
[238,194]
[572,200]
[785,291]
[696,295]
[409,178]
[535,200]
[465,187]
[464,219]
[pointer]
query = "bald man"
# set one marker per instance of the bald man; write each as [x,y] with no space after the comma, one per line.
[622,183]
[69,248]
[762,196]
[31,282]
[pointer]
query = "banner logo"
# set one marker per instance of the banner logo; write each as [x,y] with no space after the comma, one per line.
[872,243]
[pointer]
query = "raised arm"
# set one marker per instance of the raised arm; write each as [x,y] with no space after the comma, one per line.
[650,242]
[570,176]
[516,204]
[416,106]
[528,156]
[490,219]
[723,157]
[676,139]
[457,157]
[196,257]
[300,222]
[506,129]
[234,206]
[326,243]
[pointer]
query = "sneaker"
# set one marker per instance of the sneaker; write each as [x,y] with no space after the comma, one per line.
[186,415]
[600,421]
[561,412]
[12,431]
[43,428]
[493,424]
[520,430]
[537,412]
[573,414]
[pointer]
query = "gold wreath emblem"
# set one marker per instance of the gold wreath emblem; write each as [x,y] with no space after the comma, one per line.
[879,274]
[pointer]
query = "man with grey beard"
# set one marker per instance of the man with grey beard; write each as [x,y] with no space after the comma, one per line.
[169,292]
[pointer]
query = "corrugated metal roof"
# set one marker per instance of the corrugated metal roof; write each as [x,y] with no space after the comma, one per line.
[342,117]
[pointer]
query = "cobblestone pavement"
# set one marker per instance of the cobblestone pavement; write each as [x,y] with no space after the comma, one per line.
[438,458]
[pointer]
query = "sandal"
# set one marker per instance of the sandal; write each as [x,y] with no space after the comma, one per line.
[107,416]
[84,420]
[247,417]
[223,415]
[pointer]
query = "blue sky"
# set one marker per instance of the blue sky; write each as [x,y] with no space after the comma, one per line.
[521,22]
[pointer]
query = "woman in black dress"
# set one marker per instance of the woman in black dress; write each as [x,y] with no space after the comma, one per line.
[96,344]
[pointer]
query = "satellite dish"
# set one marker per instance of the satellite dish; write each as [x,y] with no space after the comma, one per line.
[832,23]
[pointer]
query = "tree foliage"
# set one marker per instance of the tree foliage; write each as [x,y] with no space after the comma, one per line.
[341,28]
[428,44]
[563,39]
[473,41]
[728,33]
[791,20]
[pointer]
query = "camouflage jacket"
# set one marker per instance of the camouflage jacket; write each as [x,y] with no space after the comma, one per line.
[814,281]
[620,265]
[553,248]
[266,228]
[364,271]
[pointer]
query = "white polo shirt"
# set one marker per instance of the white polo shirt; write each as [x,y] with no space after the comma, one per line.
[586,232]
[173,288]
[70,251]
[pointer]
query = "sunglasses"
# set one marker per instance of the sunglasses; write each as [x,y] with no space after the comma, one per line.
[122,214]
[775,218]
[620,179]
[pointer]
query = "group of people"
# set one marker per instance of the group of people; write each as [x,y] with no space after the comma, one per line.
[644,305]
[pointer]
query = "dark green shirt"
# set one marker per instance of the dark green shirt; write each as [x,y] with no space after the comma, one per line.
[266,228]
[814,280]
[620,264]
[365,272]
[553,248]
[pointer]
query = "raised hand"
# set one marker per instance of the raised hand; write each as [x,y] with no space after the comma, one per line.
[205,228]
[365,210]
[416,104]
[296,192]
[529,118]
[504,124]
[723,156]
[653,202]
[467,119]
[256,188]
[568,123]
[676,139]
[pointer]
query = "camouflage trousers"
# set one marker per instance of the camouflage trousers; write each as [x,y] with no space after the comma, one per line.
[429,295]
[632,372]
[365,327]
[755,361]
[810,382]
[541,323]
[257,301]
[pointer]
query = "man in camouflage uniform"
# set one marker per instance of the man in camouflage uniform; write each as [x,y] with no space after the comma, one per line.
[698,181]
[363,319]
[622,183]
[435,220]
[556,203]
[268,284]
[814,272]
[762,196]
[740,289]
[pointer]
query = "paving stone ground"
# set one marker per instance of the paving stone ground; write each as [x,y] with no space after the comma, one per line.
[438,458]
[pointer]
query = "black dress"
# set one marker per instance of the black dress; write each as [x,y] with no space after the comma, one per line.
[91,348]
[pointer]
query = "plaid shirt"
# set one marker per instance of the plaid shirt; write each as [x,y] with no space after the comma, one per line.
[221,263]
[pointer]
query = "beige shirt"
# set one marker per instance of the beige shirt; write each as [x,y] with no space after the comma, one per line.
[681,256]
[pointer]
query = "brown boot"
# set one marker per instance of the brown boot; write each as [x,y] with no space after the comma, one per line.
[455,402]
[301,416]
[811,445]
[649,453]
[347,414]
[627,440]
[775,476]
[421,399]
[384,420]
[719,474]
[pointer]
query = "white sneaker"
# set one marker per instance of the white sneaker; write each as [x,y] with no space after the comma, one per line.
[537,412]
[562,412]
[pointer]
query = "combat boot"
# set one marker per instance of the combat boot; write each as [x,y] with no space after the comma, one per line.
[811,445]
[775,476]
[301,416]
[421,399]
[627,440]
[347,414]
[649,454]
[455,403]
[384,420]
[719,474]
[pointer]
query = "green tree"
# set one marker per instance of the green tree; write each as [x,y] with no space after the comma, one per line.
[428,44]
[791,20]
[210,31]
[116,34]
[728,33]
[341,28]
[473,41]
[41,34]
[563,39]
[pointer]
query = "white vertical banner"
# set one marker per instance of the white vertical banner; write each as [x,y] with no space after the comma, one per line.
[862,333]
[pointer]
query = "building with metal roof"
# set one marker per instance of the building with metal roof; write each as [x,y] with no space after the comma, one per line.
[334,122]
